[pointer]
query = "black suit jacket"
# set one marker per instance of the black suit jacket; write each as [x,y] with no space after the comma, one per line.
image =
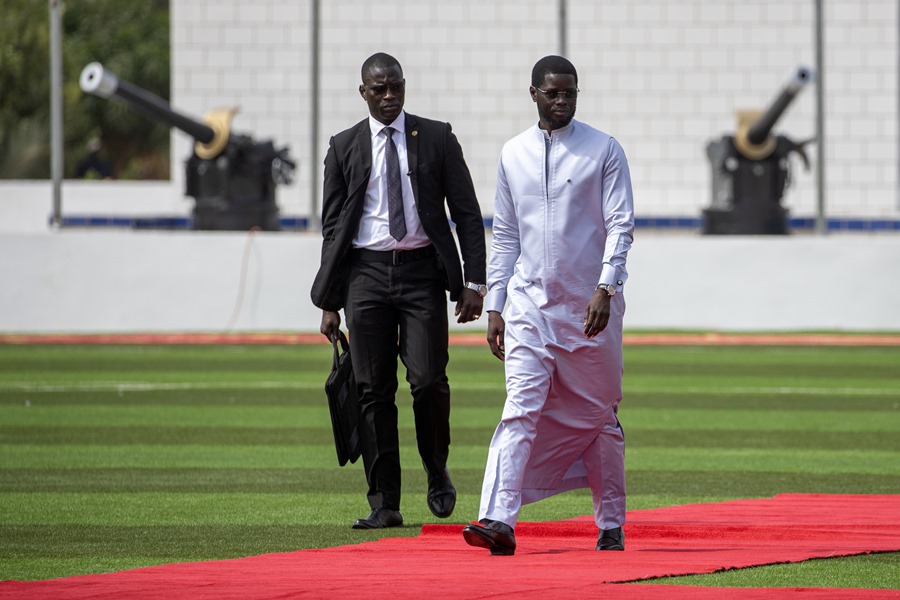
[437,172]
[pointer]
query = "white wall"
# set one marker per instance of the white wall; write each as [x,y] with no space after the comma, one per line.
[663,77]
[27,206]
[101,281]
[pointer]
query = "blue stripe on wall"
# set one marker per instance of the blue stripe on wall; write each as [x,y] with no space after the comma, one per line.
[302,223]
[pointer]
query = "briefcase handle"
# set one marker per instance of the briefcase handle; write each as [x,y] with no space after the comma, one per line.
[345,345]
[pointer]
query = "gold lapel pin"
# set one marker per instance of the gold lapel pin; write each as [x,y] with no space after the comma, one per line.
[415,132]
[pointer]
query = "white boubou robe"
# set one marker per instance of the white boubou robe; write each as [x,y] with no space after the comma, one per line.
[563,222]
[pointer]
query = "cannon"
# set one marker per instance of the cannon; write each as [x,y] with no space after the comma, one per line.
[231,177]
[752,169]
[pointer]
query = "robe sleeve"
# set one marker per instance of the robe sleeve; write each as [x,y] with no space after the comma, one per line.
[505,246]
[618,211]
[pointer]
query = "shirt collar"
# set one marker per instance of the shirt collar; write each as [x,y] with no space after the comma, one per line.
[561,132]
[399,124]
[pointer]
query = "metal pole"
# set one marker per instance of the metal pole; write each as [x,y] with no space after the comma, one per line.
[563,42]
[56,110]
[314,122]
[821,223]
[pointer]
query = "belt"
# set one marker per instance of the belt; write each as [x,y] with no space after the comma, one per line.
[393,257]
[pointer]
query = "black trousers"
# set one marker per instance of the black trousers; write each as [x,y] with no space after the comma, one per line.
[399,310]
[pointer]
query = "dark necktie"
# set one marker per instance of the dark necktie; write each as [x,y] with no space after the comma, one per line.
[396,218]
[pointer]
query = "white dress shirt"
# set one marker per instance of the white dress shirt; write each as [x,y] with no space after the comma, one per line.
[374,228]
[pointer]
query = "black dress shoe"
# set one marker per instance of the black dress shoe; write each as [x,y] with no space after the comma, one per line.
[441,495]
[497,537]
[611,539]
[380,518]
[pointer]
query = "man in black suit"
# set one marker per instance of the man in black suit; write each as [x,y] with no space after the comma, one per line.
[388,259]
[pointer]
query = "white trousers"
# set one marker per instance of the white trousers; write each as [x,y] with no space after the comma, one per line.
[559,430]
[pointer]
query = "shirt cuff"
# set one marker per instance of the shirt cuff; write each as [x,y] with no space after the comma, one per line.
[495,300]
[609,277]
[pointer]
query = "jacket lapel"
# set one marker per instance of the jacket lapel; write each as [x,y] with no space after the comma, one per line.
[364,154]
[412,153]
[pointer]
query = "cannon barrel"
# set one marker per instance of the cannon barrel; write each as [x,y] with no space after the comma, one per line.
[753,137]
[762,127]
[231,177]
[98,81]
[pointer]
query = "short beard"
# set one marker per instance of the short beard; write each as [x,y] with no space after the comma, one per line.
[558,123]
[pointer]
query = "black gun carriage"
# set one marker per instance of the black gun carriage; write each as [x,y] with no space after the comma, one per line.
[751,169]
[231,177]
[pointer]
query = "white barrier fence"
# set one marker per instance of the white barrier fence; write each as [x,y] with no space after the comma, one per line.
[104,281]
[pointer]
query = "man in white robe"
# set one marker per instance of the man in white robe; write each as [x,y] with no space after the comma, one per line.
[563,225]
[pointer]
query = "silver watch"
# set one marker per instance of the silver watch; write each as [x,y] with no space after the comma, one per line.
[478,287]
[608,288]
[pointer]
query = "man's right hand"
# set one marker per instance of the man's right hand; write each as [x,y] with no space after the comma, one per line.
[495,332]
[331,324]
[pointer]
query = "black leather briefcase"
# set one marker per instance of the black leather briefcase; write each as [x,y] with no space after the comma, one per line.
[343,403]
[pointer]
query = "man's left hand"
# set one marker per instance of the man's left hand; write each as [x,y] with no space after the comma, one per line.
[469,305]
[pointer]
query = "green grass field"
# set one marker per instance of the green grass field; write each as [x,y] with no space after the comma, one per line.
[114,457]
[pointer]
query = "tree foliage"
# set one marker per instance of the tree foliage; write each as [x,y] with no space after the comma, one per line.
[130,39]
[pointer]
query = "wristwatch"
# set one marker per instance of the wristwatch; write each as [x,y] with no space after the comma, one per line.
[478,287]
[608,288]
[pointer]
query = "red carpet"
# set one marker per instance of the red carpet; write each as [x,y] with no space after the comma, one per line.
[554,560]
